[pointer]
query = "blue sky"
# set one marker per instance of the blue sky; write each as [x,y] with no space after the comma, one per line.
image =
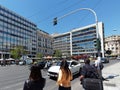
[42,12]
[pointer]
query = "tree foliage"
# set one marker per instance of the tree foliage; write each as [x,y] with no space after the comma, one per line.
[39,55]
[57,53]
[17,52]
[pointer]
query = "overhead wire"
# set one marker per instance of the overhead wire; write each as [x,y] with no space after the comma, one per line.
[47,18]
[67,8]
[36,13]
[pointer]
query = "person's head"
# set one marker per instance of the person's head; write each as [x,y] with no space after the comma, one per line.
[64,64]
[64,67]
[35,73]
[87,61]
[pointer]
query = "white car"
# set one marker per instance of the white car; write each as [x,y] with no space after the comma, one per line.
[74,66]
[21,63]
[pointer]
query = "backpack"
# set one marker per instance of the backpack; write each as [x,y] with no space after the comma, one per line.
[91,72]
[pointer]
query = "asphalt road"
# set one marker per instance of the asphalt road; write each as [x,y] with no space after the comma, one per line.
[13,77]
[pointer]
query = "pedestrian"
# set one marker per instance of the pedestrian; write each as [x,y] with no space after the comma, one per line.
[64,76]
[99,66]
[88,71]
[35,81]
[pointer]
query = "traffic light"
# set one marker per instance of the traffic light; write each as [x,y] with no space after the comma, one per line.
[97,44]
[55,21]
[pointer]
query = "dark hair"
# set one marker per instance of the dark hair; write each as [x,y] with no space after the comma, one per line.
[87,61]
[64,65]
[35,73]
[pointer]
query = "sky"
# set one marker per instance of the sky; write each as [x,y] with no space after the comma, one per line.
[42,13]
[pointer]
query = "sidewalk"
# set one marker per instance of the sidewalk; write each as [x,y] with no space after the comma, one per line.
[112,73]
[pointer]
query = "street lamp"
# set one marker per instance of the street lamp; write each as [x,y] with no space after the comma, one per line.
[96,20]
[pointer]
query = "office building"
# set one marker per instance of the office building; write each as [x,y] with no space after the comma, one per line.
[80,41]
[15,30]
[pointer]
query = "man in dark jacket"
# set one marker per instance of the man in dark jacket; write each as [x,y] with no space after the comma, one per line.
[87,71]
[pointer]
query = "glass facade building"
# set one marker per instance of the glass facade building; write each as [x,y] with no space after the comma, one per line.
[62,42]
[80,41]
[83,41]
[15,30]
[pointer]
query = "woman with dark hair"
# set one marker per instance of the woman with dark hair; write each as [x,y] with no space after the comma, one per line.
[35,81]
[64,76]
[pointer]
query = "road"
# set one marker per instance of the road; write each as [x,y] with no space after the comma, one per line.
[13,77]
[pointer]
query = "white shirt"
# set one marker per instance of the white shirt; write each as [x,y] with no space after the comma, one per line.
[97,63]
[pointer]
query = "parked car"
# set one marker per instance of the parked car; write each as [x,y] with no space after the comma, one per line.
[118,58]
[21,62]
[105,60]
[42,64]
[74,66]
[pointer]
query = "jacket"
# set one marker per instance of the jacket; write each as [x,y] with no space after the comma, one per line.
[34,85]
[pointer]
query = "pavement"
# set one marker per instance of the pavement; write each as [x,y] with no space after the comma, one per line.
[112,74]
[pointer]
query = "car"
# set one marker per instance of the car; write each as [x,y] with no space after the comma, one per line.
[104,60]
[74,66]
[118,58]
[42,64]
[21,63]
[82,60]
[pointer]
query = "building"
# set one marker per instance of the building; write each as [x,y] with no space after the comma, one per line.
[113,43]
[44,43]
[80,41]
[15,30]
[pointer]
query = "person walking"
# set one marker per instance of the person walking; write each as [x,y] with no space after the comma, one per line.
[89,72]
[35,81]
[64,76]
[99,66]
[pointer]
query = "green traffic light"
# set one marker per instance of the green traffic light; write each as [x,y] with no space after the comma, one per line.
[97,44]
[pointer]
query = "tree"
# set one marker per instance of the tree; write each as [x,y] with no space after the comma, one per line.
[57,53]
[17,52]
[39,55]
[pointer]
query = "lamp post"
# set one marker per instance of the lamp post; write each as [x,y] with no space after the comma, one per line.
[96,20]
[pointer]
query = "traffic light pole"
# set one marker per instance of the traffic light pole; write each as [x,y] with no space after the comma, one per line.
[96,20]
